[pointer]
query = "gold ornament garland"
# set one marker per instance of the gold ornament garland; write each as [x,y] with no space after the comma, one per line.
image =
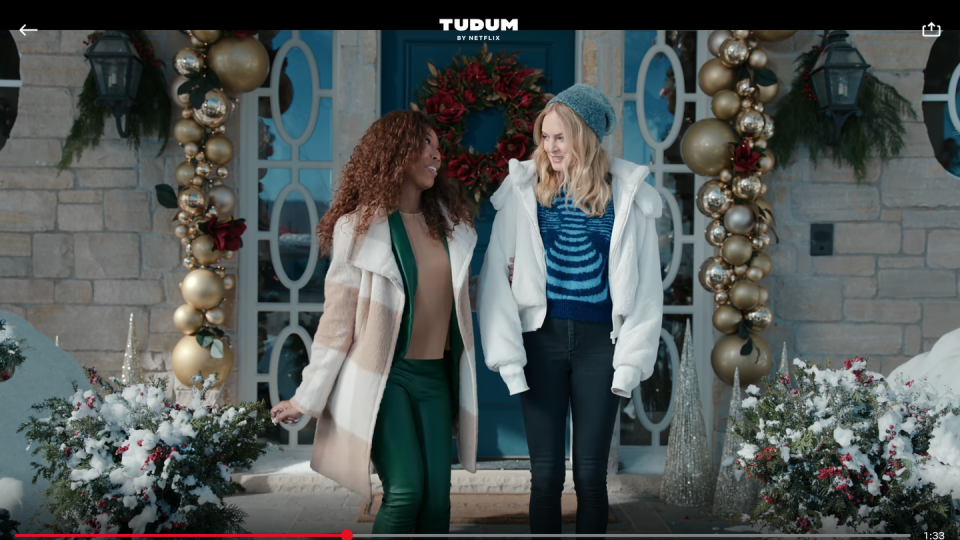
[220,63]
[733,148]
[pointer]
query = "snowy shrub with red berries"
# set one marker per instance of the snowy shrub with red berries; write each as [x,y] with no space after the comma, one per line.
[847,451]
[124,459]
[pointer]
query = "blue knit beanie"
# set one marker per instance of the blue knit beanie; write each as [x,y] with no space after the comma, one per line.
[591,105]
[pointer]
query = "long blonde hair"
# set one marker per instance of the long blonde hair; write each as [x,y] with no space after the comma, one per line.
[587,164]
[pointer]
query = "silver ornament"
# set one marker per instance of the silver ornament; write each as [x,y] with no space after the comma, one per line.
[739,220]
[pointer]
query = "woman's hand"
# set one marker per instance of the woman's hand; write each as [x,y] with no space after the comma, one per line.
[285,412]
[511,270]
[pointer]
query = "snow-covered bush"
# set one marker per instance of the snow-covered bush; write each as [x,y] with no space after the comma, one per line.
[847,451]
[123,459]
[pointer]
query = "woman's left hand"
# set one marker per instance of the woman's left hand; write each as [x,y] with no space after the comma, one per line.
[286,413]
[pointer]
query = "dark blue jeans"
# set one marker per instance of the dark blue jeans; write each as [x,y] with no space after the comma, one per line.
[569,367]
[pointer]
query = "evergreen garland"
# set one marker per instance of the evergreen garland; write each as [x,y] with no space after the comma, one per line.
[149,117]
[878,131]
[851,445]
[122,459]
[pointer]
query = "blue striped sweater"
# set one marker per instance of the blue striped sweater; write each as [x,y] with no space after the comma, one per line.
[577,247]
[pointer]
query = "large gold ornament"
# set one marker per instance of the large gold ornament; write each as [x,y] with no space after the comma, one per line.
[188,319]
[773,35]
[766,94]
[714,77]
[186,130]
[736,250]
[745,295]
[762,262]
[202,289]
[758,59]
[716,39]
[206,36]
[215,110]
[219,149]
[727,319]
[223,199]
[190,359]
[184,173]
[714,199]
[242,64]
[203,249]
[726,358]
[726,104]
[706,146]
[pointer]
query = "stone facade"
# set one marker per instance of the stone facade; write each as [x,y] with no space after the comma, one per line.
[889,291]
[82,250]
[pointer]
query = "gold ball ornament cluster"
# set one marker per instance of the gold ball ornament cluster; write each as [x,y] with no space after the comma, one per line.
[732,150]
[217,65]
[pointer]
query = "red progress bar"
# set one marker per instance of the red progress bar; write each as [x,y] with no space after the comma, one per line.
[345,535]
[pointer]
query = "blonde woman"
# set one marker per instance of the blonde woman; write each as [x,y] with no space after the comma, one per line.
[570,298]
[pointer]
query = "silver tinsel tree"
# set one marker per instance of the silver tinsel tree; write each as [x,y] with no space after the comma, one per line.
[132,372]
[688,479]
[735,493]
[784,367]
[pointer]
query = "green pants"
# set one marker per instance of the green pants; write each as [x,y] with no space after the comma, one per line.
[412,449]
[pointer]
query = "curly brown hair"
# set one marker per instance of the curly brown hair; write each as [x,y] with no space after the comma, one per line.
[371,179]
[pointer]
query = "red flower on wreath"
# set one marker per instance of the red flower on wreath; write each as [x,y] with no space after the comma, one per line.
[243,33]
[469,96]
[745,158]
[475,74]
[526,100]
[446,109]
[463,168]
[513,148]
[509,83]
[226,236]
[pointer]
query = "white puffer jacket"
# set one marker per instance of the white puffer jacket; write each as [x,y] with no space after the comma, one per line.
[636,287]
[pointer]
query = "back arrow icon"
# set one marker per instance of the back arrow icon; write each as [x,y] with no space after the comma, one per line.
[24,29]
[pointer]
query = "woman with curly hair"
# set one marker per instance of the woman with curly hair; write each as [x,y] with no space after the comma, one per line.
[393,355]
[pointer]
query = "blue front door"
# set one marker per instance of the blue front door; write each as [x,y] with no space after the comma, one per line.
[404,57]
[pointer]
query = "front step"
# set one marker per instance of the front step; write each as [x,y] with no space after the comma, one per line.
[483,481]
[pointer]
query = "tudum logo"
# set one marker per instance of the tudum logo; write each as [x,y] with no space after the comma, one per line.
[475,25]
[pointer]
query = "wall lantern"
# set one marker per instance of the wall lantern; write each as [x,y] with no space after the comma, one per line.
[838,78]
[116,68]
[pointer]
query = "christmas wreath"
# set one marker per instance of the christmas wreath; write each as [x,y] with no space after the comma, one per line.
[474,84]
[877,130]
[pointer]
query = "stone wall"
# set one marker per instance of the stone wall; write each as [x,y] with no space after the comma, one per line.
[889,290]
[82,250]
